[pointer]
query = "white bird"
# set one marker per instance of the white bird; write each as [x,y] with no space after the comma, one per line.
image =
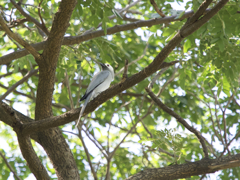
[100,82]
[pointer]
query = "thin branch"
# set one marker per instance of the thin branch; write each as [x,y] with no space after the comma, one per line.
[125,18]
[5,75]
[134,61]
[120,12]
[225,148]
[79,39]
[223,140]
[79,86]
[69,89]
[150,85]
[98,145]
[57,105]
[133,127]
[87,153]
[213,124]
[124,76]
[225,123]
[157,9]
[15,23]
[173,76]
[13,87]
[236,102]
[9,166]
[17,38]
[17,92]
[30,18]
[179,119]
[39,13]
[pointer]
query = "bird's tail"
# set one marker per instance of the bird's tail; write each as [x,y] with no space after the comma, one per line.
[83,108]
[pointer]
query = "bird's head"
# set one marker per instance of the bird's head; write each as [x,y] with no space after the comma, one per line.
[108,67]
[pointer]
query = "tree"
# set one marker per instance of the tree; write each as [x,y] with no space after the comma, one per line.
[171,112]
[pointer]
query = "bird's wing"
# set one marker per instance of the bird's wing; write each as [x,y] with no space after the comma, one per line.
[98,79]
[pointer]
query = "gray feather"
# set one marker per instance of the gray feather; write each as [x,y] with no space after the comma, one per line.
[83,107]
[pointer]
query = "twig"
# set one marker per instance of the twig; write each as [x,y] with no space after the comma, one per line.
[30,18]
[224,119]
[13,87]
[236,102]
[134,61]
[121,11]
[7,74]
[179,119]
[79,86]
[225,148]
[202,177]
[39,13]
[9,166]
[224,141]
[125,18]
[69,89]
[124,76]
[173,76]
[214,129]
[157,9]
[15,23]
[133,127]
[150,85]
[96,144]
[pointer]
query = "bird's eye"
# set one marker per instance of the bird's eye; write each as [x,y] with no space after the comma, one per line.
[108,65]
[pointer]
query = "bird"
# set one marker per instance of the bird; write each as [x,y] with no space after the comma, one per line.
[100,82]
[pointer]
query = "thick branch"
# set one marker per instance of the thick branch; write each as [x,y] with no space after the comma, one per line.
[48,62]
[189,169]
[27,150]
[190,29]
[46,139]
[65,166]
[31,157]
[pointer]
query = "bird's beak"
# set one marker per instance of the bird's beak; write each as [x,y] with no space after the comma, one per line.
[103,65]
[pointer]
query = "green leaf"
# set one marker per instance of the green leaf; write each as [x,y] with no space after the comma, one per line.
[226,86]
[187,45]
[104,25]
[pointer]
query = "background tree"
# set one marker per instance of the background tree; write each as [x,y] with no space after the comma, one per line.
[171,112]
